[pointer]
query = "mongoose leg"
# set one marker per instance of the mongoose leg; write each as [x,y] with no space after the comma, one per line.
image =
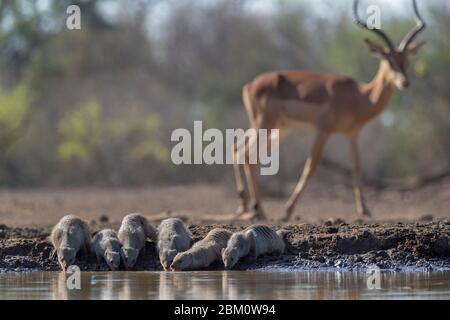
[52,254]
[360,202]
[253,254]
[84,251]
[98,261]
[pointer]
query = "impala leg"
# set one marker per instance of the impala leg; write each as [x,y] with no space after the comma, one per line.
[251,145]
[361,207]
[308,170]
[250,172]
[238,168]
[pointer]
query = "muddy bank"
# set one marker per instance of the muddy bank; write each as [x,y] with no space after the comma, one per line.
[330,245]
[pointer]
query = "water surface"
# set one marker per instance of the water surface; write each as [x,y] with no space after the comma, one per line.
[226,285]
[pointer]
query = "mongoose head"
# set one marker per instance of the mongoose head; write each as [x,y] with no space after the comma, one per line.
[166,257]
[66,257]
[182,261]
[112,259]
[129,256]
[230,256]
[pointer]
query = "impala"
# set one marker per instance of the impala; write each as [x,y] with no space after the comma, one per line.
[327,103]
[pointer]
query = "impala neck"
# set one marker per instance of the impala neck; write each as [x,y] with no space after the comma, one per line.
[379,90]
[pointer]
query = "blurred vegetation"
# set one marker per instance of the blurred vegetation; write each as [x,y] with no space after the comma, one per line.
[98,105]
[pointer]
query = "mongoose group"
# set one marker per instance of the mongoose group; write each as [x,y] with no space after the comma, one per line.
[174,243]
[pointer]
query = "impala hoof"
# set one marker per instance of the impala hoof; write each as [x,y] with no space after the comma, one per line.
[252,216]
[289,211]
[240,211]
[364,212]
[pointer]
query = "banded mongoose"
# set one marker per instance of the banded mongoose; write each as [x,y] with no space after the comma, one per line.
[255,240]
[106,246]
[203,253]
[69,236]
[133,232]
[173,237]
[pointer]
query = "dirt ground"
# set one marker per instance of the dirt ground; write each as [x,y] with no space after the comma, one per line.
[408,229]
[217,203]
[334,244]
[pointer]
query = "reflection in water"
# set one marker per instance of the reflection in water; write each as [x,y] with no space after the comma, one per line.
[225,285]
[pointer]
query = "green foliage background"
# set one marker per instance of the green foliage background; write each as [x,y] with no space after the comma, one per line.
[97,106]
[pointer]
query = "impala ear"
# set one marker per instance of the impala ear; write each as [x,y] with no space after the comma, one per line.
[413,47]
[376,48]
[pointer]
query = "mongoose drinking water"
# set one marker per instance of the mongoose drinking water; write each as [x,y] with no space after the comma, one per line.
[173,237]
[255,240]
[69,236]
[203,253]
[133,232]
[106,245]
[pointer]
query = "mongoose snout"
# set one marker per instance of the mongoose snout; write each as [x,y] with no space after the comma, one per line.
[166,258]
[112,260]
[230,257]
[129,256]
[181,262]
[66,257]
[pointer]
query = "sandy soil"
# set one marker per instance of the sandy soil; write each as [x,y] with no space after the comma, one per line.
[210,203]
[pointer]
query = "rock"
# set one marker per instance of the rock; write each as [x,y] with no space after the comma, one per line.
[332,230]
[441,246]
[334,222]
[426,218]
[92,224]
[103,219]
[303,255]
